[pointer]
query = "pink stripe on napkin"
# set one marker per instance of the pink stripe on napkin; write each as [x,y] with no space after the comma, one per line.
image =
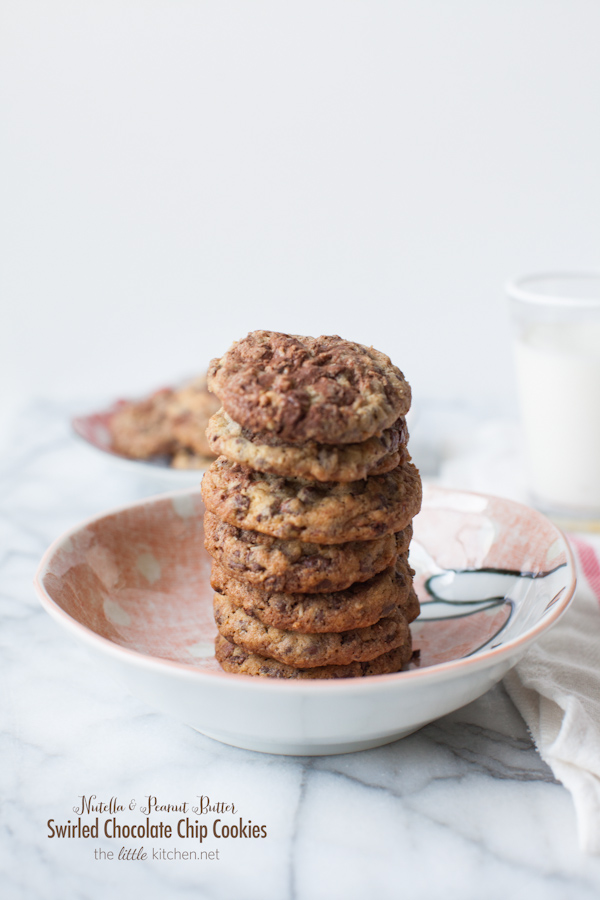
[589,563]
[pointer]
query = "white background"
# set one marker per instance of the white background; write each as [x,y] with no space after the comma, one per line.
[176,173]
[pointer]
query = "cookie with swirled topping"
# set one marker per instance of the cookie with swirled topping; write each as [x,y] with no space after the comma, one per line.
[323,389]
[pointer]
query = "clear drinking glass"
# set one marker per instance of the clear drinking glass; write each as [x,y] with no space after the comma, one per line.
[556,322]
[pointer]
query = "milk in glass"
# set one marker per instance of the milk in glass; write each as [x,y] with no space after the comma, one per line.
[558,372]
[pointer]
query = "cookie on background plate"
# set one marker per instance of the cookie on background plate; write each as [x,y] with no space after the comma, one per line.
[141,429]
[188,412]
[170,423]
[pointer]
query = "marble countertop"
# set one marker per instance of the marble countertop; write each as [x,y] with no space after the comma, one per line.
[465,808]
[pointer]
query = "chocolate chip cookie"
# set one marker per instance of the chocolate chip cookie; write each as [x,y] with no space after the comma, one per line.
[325,514]
[170,423]
[141,429]
[237,660]
[188,412]
[356,607]
[315,462]
[302,389]
[298,566]
[307,650]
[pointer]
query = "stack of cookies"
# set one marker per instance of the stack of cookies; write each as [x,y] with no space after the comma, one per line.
[309,509]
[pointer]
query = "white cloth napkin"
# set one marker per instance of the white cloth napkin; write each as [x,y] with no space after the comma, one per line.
[556,688]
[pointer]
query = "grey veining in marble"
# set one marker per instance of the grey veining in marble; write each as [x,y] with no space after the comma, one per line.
[465,808]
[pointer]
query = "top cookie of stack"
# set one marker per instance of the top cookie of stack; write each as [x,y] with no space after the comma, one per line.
[313,478]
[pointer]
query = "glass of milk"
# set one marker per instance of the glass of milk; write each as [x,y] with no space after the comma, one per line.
[557,351]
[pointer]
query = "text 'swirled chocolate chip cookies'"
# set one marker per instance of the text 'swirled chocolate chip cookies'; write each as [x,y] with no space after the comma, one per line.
[309,509]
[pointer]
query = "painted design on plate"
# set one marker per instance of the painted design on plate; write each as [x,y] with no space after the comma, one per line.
[493,571]
[466,611]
